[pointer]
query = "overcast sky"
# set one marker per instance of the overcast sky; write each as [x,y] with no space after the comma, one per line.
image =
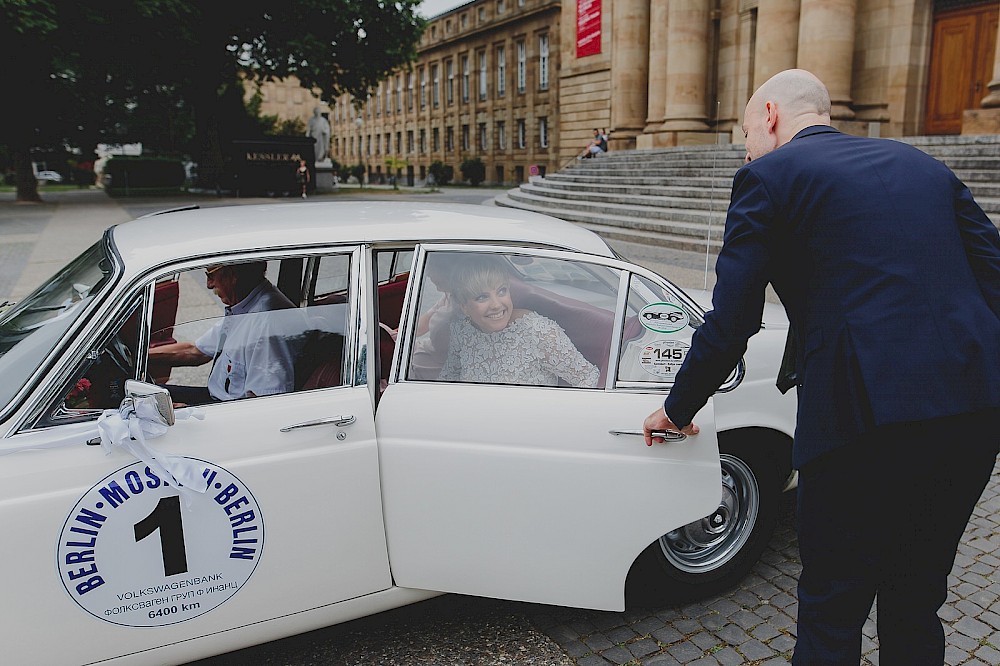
[429,8]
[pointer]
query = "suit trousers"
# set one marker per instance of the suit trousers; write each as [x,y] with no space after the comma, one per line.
[882,518]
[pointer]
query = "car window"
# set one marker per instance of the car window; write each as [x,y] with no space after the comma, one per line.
[98,382]
[657,333]
[392,272]
[204,351]
[332,276]
[513,319]
[209,345]
[38,323]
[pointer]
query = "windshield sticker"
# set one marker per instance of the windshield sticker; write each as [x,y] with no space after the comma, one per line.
[663,358]
[663,317]
[134,552]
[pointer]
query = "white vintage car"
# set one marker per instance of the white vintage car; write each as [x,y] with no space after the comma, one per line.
[357,475]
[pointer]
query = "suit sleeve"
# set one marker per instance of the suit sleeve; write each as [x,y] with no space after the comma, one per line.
[738,299]
[982,245]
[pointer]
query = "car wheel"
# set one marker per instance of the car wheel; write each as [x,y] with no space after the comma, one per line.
[714,553]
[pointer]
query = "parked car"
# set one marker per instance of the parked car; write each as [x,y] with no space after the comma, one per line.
[50,176]
[370,482]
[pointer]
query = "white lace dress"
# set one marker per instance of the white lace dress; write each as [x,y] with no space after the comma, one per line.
[532,350]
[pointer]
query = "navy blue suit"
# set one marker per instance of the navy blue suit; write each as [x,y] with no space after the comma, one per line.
[890,275]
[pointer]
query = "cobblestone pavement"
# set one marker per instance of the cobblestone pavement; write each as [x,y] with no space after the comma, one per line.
[752,624]
[755,623]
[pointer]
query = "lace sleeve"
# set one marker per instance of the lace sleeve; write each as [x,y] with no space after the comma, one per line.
[560,356]
[452,368]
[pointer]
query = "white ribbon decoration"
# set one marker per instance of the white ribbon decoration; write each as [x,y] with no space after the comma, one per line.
[137,420]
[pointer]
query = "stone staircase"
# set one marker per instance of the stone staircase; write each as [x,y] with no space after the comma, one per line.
[677,197]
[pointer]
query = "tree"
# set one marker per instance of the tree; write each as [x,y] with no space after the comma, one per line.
[473,170]
[270,125]
[443,173]
[86,73]
[332,46]
[358,171]
[394,165]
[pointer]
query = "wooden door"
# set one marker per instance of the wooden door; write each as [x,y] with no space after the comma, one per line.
[961,65]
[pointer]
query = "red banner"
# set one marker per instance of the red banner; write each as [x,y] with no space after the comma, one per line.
[588,27]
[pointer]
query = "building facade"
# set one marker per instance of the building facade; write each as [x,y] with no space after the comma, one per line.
[674,72]
[521,84]
[484,86]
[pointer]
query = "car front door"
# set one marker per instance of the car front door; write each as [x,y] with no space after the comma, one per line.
[517,484]
[118,561]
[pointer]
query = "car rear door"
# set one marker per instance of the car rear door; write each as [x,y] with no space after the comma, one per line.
[522,491]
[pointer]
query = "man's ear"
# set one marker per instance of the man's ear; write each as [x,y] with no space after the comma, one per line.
[771,114]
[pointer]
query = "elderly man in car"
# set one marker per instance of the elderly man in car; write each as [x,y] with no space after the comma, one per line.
[250,354]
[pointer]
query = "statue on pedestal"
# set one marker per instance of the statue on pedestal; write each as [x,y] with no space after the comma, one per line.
[319,129]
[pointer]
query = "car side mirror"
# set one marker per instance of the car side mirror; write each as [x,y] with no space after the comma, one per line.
[136,390]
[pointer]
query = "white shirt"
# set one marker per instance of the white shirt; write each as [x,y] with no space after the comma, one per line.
[253,346]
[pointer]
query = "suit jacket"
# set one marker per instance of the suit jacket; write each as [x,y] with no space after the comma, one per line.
[890,275]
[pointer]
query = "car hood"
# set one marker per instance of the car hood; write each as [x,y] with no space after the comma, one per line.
[774,313]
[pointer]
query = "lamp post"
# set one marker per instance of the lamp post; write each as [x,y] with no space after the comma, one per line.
[358,122]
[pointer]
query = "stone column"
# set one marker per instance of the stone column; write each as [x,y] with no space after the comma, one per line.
[778,41]
[992,99]
[630,64]
[687,65]
[986,120]
[826,48]
[657,67]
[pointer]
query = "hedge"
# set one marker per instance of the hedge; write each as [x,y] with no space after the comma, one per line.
[132,175]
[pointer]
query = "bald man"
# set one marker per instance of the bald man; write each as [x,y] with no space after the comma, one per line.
[890,274]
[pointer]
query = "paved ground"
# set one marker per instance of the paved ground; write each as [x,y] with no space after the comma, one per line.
[752,624]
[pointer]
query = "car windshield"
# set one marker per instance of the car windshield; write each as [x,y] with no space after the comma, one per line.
[30,330]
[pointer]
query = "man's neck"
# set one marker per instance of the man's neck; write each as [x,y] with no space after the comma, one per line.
[799,123]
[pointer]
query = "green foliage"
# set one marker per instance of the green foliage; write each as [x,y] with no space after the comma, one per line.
[345,171]
[334,46]
[443,173]
[393,163]
[358,171]
[167,72]
[272,125]
[28,16]
[473,170]
[289,127]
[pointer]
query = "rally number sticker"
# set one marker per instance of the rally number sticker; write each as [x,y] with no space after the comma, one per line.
[663,317]
[134,552]
[663,358]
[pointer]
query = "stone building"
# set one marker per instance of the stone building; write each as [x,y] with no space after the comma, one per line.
[484,86]
[522,83]
[680,71]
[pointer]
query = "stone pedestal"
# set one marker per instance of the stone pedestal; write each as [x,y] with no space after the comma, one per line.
[981,121]
[326,180]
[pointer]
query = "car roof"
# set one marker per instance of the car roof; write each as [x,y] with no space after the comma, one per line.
[153,239]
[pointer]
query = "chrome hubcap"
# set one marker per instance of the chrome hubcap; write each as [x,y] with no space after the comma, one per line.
[711,542]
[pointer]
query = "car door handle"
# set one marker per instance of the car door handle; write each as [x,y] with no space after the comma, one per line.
[339,421]
[667,435]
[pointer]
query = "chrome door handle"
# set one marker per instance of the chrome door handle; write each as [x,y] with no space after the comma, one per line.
[667,435]
[339,421]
